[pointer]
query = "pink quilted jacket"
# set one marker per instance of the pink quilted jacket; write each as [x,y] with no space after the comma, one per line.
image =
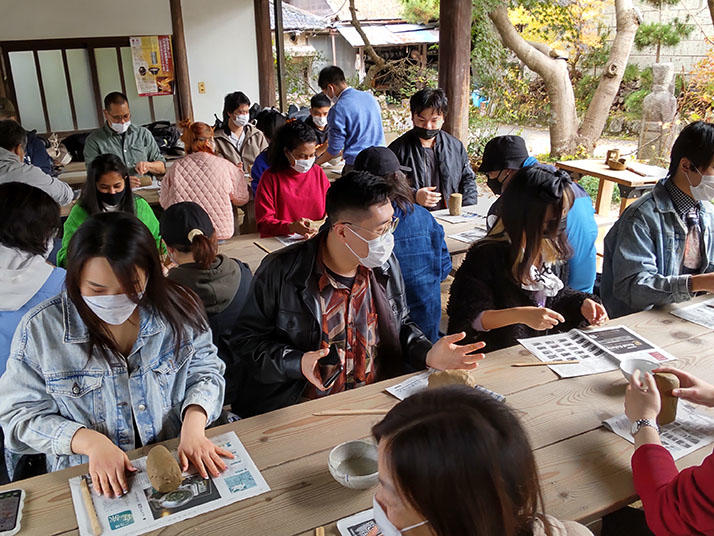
[210,181]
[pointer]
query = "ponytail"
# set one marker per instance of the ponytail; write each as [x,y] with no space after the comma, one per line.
[203,248]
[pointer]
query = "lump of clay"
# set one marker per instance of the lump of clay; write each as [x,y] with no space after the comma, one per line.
[451,377]
[665,383]
[163,469]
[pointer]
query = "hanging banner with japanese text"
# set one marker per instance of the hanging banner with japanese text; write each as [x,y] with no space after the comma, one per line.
[153,62]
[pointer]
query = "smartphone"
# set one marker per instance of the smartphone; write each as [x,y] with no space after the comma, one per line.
[11,503]
[330,367]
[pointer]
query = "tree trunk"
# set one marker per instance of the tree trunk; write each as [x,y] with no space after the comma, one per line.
[711,9]
[599,109]
[455,64]
[563,123]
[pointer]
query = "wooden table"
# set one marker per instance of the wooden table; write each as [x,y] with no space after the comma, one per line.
[585,470]
[631,185]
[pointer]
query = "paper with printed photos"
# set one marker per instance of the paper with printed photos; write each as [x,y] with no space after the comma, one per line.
[691,431]
[144,509]
[597,350]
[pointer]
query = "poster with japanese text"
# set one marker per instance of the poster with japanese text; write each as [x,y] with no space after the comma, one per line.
[153,63]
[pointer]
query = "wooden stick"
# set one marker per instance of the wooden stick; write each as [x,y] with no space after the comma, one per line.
[336,412]
[320,531]
[546,363]
[261,246]
[89,506]
[636,172]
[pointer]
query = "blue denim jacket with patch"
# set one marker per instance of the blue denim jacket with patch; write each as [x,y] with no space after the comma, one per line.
[644,252]
[52,388]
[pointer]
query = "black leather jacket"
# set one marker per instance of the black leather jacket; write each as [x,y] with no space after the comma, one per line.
[281,321]
[456,175]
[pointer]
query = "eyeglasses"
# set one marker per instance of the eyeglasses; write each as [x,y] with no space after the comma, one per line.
[120,117]
[390,229]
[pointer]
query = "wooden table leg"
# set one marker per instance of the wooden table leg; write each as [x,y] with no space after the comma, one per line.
[626,202]
[604,197]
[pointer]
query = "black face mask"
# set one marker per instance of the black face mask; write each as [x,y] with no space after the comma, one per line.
[557,230]
[562,225]
[494,184]
[110,199]
[424,133]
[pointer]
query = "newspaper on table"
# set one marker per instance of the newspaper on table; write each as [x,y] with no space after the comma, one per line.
[470,236]
[361,524]
[468,214]
[419,382]
[700,313]
[691,431]
[290,239]
[597,350]
[144,509]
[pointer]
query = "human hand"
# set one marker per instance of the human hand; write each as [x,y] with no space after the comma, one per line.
[107,465]
[134,182]
[142,168]
[428,196]
[540,318]
[593,312]
[303,227]
[196,448]
[446,355]
[310,369]
[642,399]
[691,388]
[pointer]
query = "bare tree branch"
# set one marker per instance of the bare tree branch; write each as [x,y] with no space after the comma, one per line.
[379,62]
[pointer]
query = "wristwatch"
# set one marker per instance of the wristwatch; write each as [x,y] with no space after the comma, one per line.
[640,423]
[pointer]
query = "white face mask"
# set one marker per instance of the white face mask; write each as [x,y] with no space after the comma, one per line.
[320,120]
[704,191]
[120,128]
[380,249]
[303,166]
[386,526]
[241,120]
[114,309]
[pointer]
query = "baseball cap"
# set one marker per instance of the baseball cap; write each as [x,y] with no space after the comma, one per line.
[503,152]
[379,161]
[184,219]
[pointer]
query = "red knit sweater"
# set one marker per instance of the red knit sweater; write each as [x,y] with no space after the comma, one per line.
[676,503]
[286,196]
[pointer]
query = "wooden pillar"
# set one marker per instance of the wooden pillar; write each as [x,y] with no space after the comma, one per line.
[264,40]
[454,64]
[183,83]
[280,53]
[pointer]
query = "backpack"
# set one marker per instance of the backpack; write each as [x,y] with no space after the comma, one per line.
[75,145]
[166,136]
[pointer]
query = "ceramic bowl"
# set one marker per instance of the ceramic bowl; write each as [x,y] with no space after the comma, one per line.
[354,464]
[628,366]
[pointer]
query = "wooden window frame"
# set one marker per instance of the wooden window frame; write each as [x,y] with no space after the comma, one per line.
[89,44]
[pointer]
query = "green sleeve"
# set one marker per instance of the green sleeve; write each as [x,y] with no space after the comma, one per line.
[145,213]
[77,217]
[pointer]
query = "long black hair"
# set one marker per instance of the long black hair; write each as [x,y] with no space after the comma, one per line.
[103,164]
[533,194]
[128,246]
[287,138]
[463,461]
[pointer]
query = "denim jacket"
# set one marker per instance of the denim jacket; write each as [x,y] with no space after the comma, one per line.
[51,388]
[644,252]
